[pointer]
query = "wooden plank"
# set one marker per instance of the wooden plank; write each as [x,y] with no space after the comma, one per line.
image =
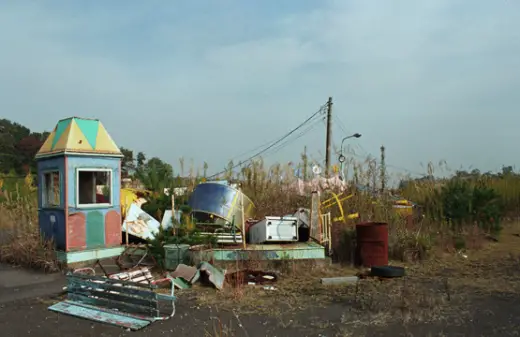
[78,284]
[339,280]
[144,312]
[99,316]
[81,277]
[144,302]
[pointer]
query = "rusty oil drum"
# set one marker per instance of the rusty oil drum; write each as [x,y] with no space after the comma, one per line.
[372,244]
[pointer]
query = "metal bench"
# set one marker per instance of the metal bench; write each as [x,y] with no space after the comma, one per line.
[126,304]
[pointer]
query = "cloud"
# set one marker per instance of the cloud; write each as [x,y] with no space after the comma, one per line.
[431,79]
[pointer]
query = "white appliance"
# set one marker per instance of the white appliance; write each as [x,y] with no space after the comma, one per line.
[274,229]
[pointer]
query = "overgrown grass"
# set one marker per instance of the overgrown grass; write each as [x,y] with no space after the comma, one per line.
[274,190]
[20,241]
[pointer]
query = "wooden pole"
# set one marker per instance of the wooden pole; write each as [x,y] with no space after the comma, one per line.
[243,219]
[173,211]
[329,137]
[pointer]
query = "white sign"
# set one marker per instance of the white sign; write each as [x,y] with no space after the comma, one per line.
[140,223]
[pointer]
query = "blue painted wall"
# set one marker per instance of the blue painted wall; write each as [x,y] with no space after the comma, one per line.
[52,220]
[95,237]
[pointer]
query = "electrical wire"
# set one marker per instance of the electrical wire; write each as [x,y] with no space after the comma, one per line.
[321,109]
[346,132]
[253,150]
[399,168]
[301,134]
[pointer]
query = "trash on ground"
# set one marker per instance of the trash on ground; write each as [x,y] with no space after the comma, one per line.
[250,276]
[387,271]
[208,273]
[184,271]
[181,283]
[141,275]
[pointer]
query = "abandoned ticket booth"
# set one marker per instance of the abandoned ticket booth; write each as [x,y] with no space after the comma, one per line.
[79,180]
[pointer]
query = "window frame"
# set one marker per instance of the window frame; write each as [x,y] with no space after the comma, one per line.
[45,191]
[111,185]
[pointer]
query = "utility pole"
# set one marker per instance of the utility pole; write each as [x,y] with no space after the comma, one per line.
[329,136]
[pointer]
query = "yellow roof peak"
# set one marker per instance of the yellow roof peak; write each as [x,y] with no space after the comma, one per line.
[76,135]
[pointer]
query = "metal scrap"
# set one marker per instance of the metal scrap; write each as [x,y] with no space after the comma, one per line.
[185,272]
[211,274]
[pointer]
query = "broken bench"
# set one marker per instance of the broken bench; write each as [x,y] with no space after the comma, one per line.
[126,304]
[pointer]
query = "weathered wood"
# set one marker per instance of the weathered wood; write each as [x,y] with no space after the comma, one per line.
[112,296]
[140,311]
[94,314]
[339,280]
[73,284]
[110,281]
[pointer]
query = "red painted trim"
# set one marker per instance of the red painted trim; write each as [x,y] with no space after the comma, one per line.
[119,202]
[66,205]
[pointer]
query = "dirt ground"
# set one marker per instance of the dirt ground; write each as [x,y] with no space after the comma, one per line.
[452,294]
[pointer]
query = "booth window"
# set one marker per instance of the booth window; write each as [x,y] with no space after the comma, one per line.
[94,187]
[51,189]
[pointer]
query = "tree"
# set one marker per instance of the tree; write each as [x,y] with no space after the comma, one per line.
[127,163]
[141,160]
[155,175]
[27,149]
[10,135]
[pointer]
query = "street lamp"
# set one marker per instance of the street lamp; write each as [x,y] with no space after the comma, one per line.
[341,157]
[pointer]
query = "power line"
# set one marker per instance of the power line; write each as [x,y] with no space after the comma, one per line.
[273,144]
[342,127]
[402,169]
[301,134]
[347,132]
[253,150]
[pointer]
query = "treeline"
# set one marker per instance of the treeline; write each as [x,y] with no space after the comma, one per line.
[18,146]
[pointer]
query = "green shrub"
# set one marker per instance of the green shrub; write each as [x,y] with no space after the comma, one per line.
[487,208]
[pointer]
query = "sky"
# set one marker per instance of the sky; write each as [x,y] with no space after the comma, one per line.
[431,80]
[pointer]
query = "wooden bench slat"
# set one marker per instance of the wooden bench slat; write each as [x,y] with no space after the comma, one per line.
[81,284]
[145,312]
[81,277]
[120,297]
[94,314]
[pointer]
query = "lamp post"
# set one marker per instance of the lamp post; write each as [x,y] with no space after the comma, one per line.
[341,157]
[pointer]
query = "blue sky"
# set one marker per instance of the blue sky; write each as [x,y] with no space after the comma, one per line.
[207,80]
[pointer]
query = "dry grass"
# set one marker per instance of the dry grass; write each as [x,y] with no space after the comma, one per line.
[20,241]
[440,290]
[494,268]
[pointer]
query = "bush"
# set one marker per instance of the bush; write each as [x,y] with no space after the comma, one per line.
[487,208]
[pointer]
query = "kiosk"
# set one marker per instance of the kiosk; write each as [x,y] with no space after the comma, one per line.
[79,182]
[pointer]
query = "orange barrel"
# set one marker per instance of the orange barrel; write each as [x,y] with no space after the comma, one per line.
[372,244]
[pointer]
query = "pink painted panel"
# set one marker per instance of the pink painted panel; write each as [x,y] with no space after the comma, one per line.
[76,232]
[113,228]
